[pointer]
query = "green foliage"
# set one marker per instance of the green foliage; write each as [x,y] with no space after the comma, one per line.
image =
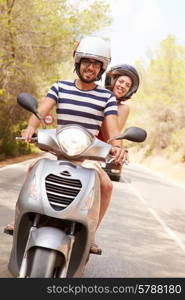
[37,40]
[160,108]
[164,78]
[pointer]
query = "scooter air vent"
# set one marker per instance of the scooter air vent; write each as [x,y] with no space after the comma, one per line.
[61,191]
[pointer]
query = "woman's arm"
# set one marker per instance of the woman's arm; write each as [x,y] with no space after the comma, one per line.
[123,112]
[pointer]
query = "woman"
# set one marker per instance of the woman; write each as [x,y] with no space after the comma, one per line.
[123,80]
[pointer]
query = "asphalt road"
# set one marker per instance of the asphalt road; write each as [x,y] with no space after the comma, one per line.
[142,234]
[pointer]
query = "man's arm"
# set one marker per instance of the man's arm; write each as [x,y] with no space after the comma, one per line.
[44,108]
[110,128]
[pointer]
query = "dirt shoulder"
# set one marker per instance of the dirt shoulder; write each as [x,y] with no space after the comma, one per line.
[172,170]
[18,159]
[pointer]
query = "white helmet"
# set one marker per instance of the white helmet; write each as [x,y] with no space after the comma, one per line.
[93,47]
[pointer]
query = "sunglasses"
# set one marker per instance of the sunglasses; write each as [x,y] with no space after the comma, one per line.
[87,62]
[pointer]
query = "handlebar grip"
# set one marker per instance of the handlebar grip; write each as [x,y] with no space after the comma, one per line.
[20,138]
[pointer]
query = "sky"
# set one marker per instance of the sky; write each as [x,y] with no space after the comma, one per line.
[140,25]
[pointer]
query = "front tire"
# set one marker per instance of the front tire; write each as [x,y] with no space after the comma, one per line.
[45,263]
[114,178]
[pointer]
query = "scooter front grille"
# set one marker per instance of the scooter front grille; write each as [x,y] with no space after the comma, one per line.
[61,191]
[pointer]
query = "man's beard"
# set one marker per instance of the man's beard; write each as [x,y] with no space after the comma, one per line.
[77,69]
[86,80]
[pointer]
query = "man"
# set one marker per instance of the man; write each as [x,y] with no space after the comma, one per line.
[85,103]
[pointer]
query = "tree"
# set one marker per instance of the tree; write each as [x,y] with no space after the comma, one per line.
[162,99]
[34,43]
[165,77]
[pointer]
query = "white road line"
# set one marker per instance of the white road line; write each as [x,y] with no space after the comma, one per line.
[167,229]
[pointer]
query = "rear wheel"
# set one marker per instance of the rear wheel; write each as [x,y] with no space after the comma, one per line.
[45,263]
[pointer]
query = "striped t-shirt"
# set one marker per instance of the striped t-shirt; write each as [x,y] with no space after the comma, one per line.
[86,108]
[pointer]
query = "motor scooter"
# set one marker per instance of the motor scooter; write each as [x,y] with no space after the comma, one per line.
[58,206]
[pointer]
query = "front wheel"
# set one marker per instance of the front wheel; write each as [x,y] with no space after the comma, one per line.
[115,178]
[45,263]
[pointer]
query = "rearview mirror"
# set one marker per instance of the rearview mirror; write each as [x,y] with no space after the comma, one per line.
[29,103]
[134,134]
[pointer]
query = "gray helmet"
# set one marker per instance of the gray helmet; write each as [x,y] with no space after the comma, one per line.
[121,70]
[92,47]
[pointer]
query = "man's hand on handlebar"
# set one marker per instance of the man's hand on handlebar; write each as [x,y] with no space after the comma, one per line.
[28,133]
[120,154]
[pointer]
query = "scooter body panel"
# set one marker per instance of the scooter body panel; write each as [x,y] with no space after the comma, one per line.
[83,207]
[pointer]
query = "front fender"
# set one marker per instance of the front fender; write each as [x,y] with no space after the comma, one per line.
[51,238]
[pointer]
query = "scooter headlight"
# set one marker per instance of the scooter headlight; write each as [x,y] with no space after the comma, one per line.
[73,140]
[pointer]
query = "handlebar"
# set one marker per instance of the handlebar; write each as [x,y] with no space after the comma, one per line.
[110,159]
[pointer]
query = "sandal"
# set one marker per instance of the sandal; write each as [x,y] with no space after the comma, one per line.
[95,249]
[9,229]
